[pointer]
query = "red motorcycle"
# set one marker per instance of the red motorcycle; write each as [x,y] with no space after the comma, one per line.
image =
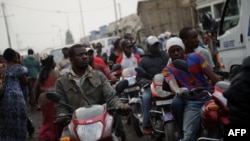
[89,123]
[131,95]
[161,117]
[214,113]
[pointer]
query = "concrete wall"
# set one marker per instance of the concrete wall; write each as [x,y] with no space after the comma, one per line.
[159,16]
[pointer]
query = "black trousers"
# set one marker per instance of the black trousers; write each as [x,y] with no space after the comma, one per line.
[118,127]
[30,127]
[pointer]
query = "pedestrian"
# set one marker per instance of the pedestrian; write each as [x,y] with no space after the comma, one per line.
[2,60]
[33,66]
[2,70]
[13,117]
[64,63]
[24,88]
[46,83]
[152,62]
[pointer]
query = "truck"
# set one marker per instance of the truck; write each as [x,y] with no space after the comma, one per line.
[159,16]
[234,35]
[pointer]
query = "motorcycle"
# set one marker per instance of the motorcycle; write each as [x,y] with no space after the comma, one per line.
[214,113]
[132,96]
[161,118]
[91,122]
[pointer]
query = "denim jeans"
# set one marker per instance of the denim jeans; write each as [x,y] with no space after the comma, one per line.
[146,106]
[177,107]
[187,114]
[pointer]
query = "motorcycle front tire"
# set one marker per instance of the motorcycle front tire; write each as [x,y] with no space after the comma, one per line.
[136,123]
[170,131]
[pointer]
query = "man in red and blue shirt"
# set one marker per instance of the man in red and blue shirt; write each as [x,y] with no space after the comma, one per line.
[186,108]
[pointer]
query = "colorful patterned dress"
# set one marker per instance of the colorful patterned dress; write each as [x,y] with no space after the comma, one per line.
[13,119]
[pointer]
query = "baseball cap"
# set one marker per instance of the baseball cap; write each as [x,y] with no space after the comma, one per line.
[151,40]
[127,43]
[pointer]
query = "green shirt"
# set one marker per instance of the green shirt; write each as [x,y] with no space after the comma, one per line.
[33,66]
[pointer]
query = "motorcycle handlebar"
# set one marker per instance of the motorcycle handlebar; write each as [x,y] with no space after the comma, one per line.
[198,90]
[114,111]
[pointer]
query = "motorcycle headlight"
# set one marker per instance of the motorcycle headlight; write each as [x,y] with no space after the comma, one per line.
[65,139]
[90,132]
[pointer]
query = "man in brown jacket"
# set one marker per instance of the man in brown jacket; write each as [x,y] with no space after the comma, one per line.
[83,81]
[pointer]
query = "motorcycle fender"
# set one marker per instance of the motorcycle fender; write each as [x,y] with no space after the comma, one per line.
[224,120]
[134,100]
[168,116]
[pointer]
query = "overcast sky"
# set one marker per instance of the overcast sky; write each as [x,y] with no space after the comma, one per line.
[37,23]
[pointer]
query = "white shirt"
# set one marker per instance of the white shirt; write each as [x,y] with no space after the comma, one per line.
[128,62]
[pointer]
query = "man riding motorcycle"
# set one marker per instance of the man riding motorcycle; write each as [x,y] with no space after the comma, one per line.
[83,85]
[186,108]
[152,62]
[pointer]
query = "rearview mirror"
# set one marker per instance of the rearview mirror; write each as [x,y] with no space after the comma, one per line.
[123,84]
[53,96]
[116,67]
[140,70]
[181,64]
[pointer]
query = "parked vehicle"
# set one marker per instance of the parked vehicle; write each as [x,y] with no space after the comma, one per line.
[234,34]
[89,123]
[55,51]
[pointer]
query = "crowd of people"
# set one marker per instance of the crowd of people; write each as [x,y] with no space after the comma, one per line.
[84,72]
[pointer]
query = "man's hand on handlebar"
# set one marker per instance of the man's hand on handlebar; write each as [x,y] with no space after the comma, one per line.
[182,92]
[62,119]
[125,108]
[144,82]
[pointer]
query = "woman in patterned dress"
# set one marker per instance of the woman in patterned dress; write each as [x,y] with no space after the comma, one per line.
[13,117]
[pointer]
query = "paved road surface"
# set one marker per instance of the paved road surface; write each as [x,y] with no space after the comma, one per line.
[36,117]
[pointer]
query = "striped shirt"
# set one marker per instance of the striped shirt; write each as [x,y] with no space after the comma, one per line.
[198,67]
